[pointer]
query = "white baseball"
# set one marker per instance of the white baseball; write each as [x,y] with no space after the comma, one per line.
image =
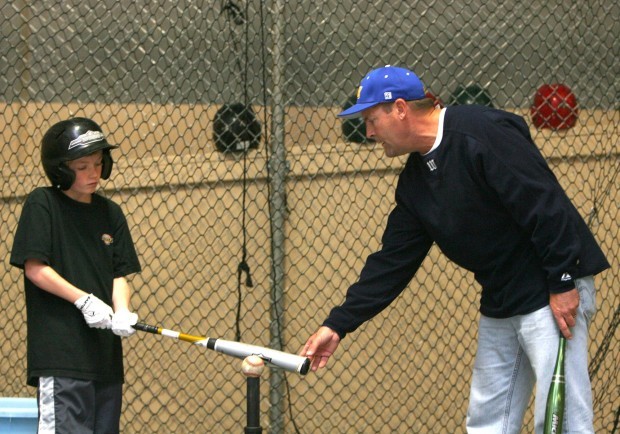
[252,366]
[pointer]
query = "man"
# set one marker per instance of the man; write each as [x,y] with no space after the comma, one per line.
[476,185]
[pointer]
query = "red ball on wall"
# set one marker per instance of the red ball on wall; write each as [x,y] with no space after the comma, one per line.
[555,107]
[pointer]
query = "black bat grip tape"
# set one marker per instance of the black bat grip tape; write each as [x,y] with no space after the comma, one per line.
[145,327]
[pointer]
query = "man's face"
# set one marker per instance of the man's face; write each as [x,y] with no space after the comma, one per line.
[383,125]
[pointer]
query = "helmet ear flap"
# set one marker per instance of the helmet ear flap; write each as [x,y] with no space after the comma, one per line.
[107,163]
[64,177]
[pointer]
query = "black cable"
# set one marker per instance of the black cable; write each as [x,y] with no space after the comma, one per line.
[236,16]
[233,11]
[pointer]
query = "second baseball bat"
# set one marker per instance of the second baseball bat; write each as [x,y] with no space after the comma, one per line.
[554,414]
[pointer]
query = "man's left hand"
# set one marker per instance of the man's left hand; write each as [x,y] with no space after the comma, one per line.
[564,307]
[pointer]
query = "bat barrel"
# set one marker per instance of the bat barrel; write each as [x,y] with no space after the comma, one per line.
[280,359]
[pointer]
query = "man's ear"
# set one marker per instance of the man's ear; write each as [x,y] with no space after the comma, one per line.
[401,107]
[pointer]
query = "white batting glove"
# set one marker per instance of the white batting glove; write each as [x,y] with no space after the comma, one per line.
[122,322]
[96,313]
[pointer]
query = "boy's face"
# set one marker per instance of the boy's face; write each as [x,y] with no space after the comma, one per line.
[87,175]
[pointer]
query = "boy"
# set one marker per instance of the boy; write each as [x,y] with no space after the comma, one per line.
[75,249]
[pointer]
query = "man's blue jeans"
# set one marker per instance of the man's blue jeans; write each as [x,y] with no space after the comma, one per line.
[516,353]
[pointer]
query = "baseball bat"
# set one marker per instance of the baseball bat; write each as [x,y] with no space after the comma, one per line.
[554,414]
[279,359]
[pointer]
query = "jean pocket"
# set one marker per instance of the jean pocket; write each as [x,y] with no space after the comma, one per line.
[587,296]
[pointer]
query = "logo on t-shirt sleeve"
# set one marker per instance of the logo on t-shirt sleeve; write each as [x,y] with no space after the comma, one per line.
[107,239]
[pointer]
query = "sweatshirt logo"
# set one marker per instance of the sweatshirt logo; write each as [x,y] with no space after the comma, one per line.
[431,165]
[566,277]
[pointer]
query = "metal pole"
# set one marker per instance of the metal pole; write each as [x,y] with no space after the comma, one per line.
[278,171]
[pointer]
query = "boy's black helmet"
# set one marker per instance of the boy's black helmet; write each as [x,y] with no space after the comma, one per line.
[69,140]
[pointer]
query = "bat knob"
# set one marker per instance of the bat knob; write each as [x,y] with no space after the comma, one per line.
[305,367]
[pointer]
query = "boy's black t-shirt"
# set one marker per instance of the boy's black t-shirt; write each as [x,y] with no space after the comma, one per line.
[88,245]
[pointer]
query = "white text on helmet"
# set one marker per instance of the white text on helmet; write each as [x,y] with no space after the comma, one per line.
[86,139]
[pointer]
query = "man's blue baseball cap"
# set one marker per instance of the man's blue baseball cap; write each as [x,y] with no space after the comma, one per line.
[385,84]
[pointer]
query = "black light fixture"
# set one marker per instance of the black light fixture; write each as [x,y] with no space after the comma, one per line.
[236,128]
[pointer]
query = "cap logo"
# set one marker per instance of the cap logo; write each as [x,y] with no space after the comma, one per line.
[86,139]
[387,95]
[359,92]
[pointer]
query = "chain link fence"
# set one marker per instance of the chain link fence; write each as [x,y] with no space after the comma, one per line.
[255,237]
